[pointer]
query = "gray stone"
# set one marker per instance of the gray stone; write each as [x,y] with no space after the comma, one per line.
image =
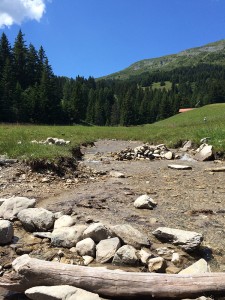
[36,219]
[67,236]
[157,264]
[87,260]
[131,236]
[61,292]
[64,221]
[205,153]
[12,206]
[6,232]
[144,255]
[145,201]
[188,240]
[126,255]
[179,167]
[98,232]
[86,247]
[106,249]
[199,267]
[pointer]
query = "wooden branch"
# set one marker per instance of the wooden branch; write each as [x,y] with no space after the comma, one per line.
[30,272]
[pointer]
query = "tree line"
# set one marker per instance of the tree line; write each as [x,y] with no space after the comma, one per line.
[31,93]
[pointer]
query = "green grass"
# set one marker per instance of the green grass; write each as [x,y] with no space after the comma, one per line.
[167,86]
[189,125]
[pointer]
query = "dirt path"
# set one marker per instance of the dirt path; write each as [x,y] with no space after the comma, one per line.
[190,200]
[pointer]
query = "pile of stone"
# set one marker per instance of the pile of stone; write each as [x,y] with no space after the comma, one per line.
[120,244]
[145,151]
[51,141]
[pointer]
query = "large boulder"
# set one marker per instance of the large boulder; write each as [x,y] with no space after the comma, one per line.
[6,232]
[126,255]
[64,221]
[36,219]
[106,249]
[97,232]
[67,236]
[131,236]
[145,201]
[86,247]
[60,292]
[188,240]
[12,206]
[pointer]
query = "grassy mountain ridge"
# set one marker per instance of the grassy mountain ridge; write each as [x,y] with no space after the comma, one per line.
[212,53]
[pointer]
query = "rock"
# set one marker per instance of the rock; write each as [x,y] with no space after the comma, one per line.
[67,236]
[173,270]
[205,140]
[36,219]
[43,235]
[117,174]
[61,292]
[87,259]
[106,249]
[131,236]
[98,232]
[157,264]
[145,201]
[86,247]
[6,232]
[179,167]
[169,155]
[198,267]
[175,258]
[221,169]
[188,240]
[126,255]
[2,200]
[144,255]
[12,206]
[64,221]
[205,153]
[186,146]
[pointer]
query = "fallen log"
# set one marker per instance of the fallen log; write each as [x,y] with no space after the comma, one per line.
[29,272]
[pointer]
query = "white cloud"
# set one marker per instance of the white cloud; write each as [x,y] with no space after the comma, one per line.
[16,11]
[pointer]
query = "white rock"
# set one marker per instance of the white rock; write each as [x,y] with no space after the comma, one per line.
[67,236]
[126,255]
[106,249]
[12,206]
[6,232]
[144,256]
[61,292]
[86,247]
[87,260]
[198,267]
[156,264]
[43,235]
[206,153]
[117,174]
[131,236]
[179,167]
[188,240]
[169,155]
[175,258]
[145,201]
[187,145]
[98,232]
[36,219]
[64,221]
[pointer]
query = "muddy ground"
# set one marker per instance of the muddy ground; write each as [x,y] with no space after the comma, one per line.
[190,200]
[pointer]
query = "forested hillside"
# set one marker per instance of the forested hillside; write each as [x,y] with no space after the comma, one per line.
[31,93]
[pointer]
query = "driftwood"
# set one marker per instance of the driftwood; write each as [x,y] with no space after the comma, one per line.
[29,272]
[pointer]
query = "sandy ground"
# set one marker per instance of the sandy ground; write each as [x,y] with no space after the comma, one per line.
[190,200]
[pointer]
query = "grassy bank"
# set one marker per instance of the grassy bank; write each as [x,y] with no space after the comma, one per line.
[15,140]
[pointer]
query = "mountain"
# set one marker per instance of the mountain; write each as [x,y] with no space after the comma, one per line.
[213,53]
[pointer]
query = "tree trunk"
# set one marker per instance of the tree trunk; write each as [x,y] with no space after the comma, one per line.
[29,272]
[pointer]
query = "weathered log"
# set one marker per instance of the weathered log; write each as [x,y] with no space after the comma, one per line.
[29,272]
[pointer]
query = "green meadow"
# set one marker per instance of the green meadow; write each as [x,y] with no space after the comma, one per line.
[15,140]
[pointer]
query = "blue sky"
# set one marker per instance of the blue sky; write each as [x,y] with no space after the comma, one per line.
[99,37]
